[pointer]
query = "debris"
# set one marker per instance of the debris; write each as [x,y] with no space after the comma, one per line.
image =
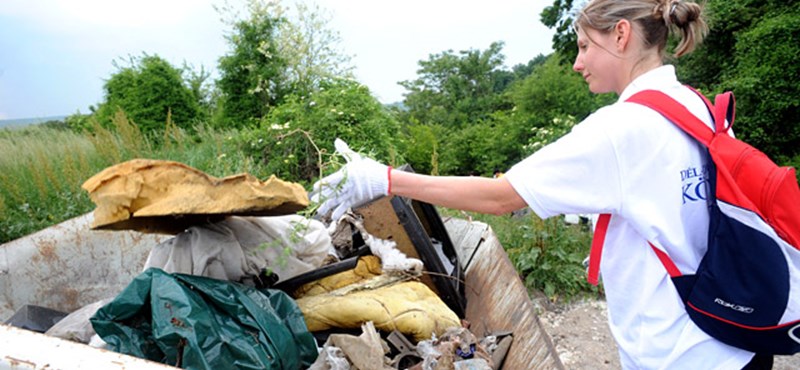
[365,352]
[240,248]
[157,196]
[409,307]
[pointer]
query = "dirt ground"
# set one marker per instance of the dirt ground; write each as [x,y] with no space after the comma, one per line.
[580,334]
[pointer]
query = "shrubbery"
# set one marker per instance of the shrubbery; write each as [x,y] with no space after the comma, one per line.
[297,136]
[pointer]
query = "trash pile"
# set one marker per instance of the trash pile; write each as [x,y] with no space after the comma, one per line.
[245,282]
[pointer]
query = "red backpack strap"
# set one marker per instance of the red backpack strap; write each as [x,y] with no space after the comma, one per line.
[675,112]
[597,248]
[689,123]
[725,110]
[600,230]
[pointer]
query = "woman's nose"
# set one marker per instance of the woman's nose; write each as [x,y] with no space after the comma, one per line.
[577,66]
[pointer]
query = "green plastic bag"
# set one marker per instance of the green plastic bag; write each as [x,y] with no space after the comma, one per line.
[196,322]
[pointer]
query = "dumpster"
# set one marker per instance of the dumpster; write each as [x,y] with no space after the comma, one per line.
[69,265]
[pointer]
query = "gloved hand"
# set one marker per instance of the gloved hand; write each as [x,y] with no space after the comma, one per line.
[359,181]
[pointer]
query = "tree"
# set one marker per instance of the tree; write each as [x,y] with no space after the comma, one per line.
[252,75]
[765,83]
[276,50]
[339,108]
[201,89]
[312,51]
[456,90]
[554,90]
[149,90]
[752,50]
[560,16]
[451,128]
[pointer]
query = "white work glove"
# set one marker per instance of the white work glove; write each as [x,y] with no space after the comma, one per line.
[359,181]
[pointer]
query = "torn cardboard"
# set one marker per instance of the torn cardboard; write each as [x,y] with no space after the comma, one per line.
[157,196]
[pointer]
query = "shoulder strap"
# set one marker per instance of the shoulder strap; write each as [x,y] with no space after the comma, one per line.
[600,230]
[689,123]
[678,114]
[597,248]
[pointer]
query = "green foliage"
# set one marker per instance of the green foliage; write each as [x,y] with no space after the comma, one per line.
[766,99]
[79,122]
[40,185]
[460,118]
[251,75]
[794,162]
[294,136]
[276,50]
[554,90]
[560,16]
[551,257]
[149,90]
[421,147]
[752,50]
[202,91]
[481,148]
[548,254]
[456,90]
[311,49]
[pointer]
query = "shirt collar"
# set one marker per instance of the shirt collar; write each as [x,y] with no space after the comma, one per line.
[655,79]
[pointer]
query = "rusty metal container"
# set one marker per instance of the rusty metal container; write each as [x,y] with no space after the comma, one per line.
[67,266]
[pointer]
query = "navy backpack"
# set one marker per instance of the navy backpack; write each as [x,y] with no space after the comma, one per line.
[746,291]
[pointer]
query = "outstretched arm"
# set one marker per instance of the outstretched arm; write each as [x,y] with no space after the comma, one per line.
[363,179]
[478,194]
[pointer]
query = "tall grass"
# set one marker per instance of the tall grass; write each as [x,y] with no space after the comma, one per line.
[42,168]
[548,254]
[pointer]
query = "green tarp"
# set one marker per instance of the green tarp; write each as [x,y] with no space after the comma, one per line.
[195,322]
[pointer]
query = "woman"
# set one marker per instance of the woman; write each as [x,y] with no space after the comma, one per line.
[624,159]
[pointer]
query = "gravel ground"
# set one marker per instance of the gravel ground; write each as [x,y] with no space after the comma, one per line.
[582,339]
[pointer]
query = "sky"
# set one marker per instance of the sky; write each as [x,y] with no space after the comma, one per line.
[56,54]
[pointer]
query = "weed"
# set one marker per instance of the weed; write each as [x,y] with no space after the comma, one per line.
[548,254]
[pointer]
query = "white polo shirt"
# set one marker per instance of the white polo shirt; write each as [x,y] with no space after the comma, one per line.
[628,160]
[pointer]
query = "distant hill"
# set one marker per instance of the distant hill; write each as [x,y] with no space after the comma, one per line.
[20,122]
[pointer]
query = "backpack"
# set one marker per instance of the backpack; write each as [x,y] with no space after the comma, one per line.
[746,291]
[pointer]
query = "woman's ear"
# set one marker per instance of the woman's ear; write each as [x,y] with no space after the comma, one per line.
[622,34]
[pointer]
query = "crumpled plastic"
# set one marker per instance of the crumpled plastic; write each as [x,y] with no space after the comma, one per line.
[457,348]
[76,326]
[201,323]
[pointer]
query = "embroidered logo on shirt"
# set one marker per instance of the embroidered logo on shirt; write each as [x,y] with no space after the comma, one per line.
[695,184]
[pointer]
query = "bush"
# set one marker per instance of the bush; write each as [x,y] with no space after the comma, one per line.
[548,254]
[297,136]
[151,92]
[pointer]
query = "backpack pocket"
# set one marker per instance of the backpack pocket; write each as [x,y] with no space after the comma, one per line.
[742,291]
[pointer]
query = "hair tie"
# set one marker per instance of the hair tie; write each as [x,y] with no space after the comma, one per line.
[672,8]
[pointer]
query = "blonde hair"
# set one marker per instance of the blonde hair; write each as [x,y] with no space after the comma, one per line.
[656,18]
